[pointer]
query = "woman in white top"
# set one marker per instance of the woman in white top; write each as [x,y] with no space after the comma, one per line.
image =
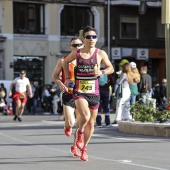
[123,104]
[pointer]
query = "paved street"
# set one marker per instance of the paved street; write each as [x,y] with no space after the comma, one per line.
[39,143]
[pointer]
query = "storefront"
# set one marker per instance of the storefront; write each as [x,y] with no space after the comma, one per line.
[158,63]
[139,56]
[154,59]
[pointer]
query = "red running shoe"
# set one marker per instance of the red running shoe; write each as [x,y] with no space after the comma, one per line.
[80,140]
[74,151]
[67,131]
[84,156]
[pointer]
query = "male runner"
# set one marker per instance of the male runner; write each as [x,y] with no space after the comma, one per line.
[67,98]
[86,91]
[21,84]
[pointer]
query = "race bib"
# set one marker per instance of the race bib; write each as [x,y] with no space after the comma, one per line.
[86,86]
[22,96]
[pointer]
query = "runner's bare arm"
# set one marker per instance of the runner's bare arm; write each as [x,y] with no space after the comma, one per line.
[103,57]
[30,90]
[67,60]
[56,75]
[57,71]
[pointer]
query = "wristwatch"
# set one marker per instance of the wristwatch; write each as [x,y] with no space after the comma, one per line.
[103,71]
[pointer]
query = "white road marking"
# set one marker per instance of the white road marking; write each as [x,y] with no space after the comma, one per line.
[126,161]
[129,163]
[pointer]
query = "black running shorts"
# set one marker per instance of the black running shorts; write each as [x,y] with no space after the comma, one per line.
[92,100]
[68,100]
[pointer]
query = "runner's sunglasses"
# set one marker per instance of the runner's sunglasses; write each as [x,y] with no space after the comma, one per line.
[90,36]
[76,45]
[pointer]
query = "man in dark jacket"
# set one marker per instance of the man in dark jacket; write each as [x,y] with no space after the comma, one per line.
[163,94]
[145,84]
[105,98]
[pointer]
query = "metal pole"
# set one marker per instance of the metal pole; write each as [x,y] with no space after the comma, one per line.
[166,21]
[167,48]
[108,31]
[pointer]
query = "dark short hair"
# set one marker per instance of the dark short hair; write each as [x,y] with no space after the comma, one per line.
[75,38]
[87,29]
[2,85]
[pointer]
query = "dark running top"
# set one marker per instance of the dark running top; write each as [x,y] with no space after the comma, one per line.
[85,80]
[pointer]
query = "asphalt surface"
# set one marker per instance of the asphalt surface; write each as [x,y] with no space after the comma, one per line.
[39,143]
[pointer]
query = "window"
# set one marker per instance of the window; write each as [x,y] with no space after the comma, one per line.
[28,18]
[160,29]
[128,27]
[75,18]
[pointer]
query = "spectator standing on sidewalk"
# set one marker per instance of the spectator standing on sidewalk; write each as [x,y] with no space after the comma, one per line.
[105,81]
[145,84]
[114,98]
[163,93]
[123,104]
[13,101]
[55,94]
[3,89]
[3,107]
[21,84]
[134,85]
[156,95]
[29,103]
[35,97]
[46,99]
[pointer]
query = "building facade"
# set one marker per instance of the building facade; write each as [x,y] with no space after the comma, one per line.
[138,36]
[35,34]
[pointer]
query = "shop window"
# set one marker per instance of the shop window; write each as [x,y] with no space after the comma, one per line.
[129,28]
[160,29]
[74,18]
[34,67]
[28,18]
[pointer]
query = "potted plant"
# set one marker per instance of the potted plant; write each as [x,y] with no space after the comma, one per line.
[148,113]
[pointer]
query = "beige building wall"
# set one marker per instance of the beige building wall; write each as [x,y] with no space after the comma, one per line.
[53,40]
[30,45]
[101,24]
[7,29]
[49,45]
